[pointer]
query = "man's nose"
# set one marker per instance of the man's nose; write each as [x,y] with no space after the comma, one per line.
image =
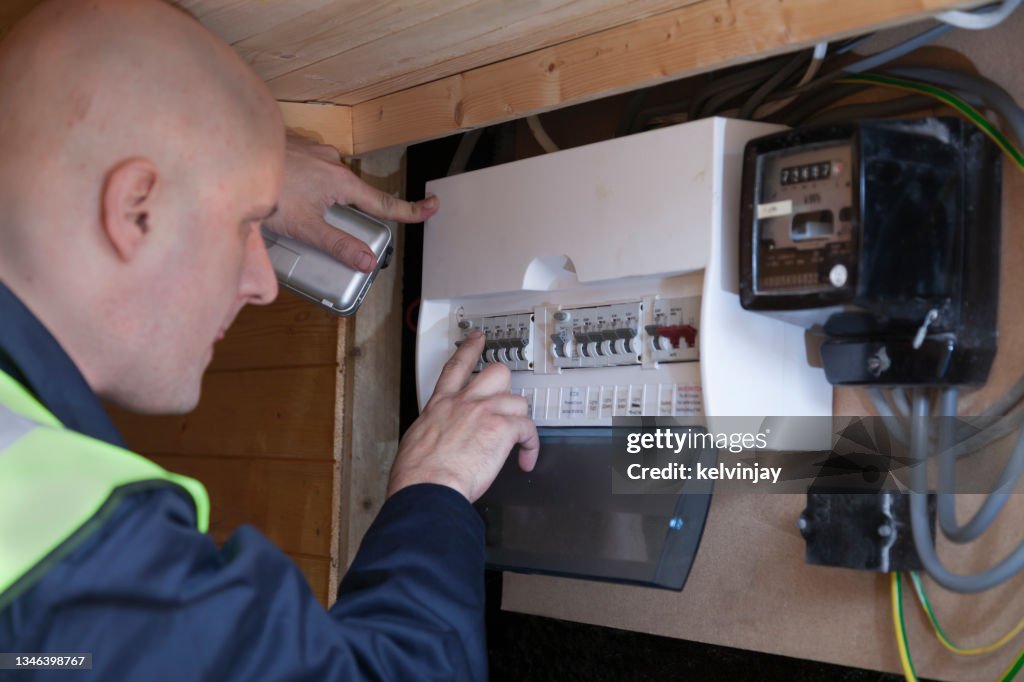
[259,283]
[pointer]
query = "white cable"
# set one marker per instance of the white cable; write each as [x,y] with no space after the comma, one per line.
[980,20]
[812,69]
[541,135]
[816,59]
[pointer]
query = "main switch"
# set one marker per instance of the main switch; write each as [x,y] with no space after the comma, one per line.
[507,339]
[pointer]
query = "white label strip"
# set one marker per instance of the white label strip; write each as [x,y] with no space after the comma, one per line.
[774,209]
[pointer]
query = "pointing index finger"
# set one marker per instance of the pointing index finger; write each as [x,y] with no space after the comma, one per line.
[457,370]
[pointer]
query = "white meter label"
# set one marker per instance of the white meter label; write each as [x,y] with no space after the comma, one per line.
[774,209]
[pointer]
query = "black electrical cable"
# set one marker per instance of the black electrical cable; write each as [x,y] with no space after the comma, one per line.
[747,77]
[797,63]
[804,107]
[892,107]
[988,92]
[865,63]
[851,44]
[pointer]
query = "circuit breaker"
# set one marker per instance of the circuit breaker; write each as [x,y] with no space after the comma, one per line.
[604,277]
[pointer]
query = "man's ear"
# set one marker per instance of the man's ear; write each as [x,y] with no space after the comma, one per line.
[128,198]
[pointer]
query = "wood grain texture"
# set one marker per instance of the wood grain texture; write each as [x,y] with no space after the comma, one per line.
[708,35]
[321,48]
[235,20]
[374,368]
[288,501]
[317,571]
[282,413]
[367,49]
[290,332]
[326,123]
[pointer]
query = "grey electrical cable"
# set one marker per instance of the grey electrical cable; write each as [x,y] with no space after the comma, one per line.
[1001,418]
[983,518]
[789,69]
[900,401]
[1006,401]
[921,527]
[746,76]
[817,59]
[897,51]
[990,93]
[892,107]
[852,44]
[985,436]
[809,104]
[867,63]
[896,429]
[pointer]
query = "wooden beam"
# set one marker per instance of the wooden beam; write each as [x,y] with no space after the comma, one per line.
[695,39]
[327,123]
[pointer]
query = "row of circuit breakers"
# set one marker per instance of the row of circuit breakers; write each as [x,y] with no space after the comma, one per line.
[593,336]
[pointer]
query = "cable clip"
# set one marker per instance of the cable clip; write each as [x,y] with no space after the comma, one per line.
[932,315]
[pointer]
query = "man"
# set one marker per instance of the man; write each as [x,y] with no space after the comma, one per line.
[140,156]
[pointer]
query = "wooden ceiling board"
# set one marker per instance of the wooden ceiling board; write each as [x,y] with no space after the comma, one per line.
[235,20]
[423,43]
[343,27]
[708,35]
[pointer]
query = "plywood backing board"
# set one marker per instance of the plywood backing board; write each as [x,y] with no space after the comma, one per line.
[288,501]
[750,587]
[284,413]
[289,333]
[318,574]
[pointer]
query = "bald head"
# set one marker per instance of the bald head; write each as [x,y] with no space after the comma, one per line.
[140,154]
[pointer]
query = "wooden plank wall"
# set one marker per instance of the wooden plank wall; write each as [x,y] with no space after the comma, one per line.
[375,374]
[263,438]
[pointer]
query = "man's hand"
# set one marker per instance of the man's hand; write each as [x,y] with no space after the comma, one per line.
[466,431]
[314,179]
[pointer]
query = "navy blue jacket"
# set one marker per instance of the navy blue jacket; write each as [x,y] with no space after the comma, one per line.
[153,599]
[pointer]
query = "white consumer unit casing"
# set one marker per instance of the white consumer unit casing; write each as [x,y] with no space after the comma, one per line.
[605,277]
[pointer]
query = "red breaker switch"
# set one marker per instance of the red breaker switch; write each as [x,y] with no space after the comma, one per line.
[674,332]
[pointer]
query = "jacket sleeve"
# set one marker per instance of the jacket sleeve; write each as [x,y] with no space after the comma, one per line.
[151,598]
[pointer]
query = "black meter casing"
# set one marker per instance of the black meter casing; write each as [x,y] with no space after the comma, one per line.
[884,236]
